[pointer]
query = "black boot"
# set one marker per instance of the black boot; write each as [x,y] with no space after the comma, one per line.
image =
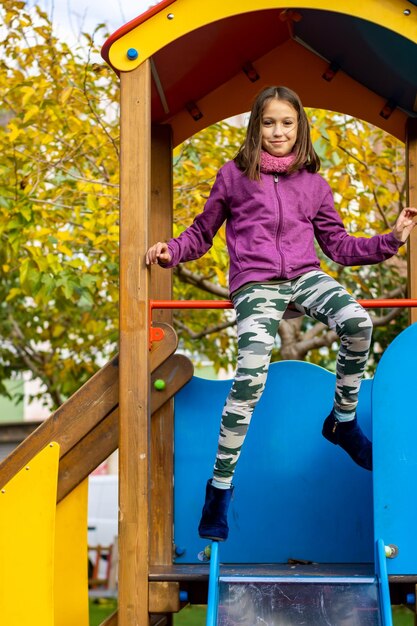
[213,523]
[349,436]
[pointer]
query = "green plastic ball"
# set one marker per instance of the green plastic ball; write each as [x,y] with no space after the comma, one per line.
[159,384]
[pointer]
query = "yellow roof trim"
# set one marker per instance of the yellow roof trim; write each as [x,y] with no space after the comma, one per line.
[184,16]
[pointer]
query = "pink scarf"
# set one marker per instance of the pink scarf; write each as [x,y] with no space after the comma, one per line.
[272,164]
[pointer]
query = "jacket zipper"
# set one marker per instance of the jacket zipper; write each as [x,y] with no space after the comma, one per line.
[280,223]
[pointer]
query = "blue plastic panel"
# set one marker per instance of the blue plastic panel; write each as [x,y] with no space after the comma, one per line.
[395,450]
[297,496]
[298,602]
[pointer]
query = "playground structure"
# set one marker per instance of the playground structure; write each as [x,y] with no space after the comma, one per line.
[184,65]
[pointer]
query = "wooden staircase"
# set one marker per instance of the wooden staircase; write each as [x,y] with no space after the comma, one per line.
[86,429]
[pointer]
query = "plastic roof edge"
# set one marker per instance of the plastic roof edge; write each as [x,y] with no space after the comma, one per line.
[130,25]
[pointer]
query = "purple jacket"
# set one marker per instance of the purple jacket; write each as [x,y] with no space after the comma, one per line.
[271,225]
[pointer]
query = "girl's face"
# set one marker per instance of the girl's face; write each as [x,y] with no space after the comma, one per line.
[279,127]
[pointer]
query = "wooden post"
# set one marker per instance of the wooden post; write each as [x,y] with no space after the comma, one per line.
[134,348]
[162,437]
[411,160]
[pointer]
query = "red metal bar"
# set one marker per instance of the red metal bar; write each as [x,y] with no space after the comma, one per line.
[156,334]
[190,304]
[390,303]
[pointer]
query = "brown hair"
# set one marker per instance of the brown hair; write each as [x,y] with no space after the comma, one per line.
[248,157]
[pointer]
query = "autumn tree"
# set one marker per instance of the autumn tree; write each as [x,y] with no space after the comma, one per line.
[58,204]
[59,135]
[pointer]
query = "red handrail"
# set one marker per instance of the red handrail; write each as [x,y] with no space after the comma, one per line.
[156,334]
[388,303]
[190,304]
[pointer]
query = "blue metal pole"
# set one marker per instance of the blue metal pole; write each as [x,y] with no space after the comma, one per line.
[382,573]
[213,590]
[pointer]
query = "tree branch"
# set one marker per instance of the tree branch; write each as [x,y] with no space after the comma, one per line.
[197,280]
[207,331]
[34,363]
[92,109]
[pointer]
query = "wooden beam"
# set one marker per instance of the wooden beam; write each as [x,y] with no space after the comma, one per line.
[100,442]
[162,425]
[164,597]
[160,226]
[134,378]
[84,457]
[411,161]
[81,414]
[71,422]
[111,620]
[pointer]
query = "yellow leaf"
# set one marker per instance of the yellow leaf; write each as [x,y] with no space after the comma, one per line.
[64,250]
[90,235]
[350,193]
[91,202]
[364,204]
[31,112]
[28,93]
[221,277]
[63,235]
[14,132]
[58,330]
[354,139]
[315,134]
[343,182]
[13,293]
[66,93]
[9,17]
[333,138]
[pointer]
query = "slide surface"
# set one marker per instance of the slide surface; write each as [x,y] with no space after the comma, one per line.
[316,601]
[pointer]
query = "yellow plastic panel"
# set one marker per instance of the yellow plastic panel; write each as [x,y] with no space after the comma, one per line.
[184,16]
[71,572]
[27,522]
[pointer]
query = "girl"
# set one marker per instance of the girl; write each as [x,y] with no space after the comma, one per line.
[275,204]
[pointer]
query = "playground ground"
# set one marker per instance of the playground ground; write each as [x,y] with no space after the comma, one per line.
[196,615]
[100,608]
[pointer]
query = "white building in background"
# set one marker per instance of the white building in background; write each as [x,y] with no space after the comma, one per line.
[34,410]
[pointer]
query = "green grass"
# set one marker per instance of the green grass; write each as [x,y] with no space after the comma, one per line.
[195,615]
[402,616]
[100,608]
[191,615]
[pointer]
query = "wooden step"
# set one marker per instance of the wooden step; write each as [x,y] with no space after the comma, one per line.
[184,572]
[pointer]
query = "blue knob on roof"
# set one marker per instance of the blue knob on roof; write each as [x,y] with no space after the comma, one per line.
[132,54]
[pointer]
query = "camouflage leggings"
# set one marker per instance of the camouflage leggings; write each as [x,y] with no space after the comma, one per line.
[259,310]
